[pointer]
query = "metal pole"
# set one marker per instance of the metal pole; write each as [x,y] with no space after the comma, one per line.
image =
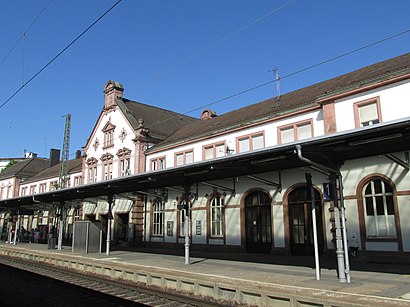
[342,208]
[16,229]
[338,234]
[110,200]
[186,228]
[61,228]
[314,224]
[339,245]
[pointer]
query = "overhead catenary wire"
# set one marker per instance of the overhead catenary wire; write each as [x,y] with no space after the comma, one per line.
[279,78]
[199,52]
[24,34]
[59,54]
[283,77]
[289,75]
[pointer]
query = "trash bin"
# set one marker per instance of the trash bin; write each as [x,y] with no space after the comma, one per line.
[51,242]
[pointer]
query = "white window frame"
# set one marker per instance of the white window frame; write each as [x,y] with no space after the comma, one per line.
[362,104]
[157,163]
[217,217]
[294,127]
[379,221]
[158,212]
[251,141]
[184,154]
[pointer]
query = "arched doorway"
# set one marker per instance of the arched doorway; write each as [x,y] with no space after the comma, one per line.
[300,222]
[258,222]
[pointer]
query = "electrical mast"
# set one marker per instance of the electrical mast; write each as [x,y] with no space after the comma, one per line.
[63,179]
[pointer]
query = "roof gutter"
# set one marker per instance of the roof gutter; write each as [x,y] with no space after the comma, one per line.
[341,247]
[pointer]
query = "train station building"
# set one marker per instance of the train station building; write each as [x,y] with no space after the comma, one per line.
[322,169]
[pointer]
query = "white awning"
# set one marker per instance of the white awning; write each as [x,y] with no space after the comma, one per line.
[122,205]
[89,208]
[102,207]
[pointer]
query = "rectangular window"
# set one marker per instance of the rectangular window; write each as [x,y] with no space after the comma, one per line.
[214,151]
[77,181]
[367,112]
[250,142]
[294,132]
[185,157]
[107,171]
[33,189]
[24,191]
[244,145]
[179,159]
[182,223]
[158,223]
[125,167]
[157,164]
[109,138]
[53,185]
[92,174]
[217,217]
[43,187]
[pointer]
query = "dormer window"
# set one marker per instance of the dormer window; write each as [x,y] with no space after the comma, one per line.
[108,135]
[367,113]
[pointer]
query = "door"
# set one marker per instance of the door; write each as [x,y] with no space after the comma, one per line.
[300,222]
[258,222]
[122,225]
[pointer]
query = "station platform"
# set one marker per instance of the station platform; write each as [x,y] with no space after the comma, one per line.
[242,279]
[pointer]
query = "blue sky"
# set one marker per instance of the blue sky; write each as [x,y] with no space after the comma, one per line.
[179,55]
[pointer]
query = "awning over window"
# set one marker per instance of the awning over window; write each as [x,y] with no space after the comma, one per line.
[89,208]
[122,205]
[102,207]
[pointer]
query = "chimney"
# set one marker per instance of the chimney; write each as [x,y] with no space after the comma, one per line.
[54,156]
[207,114]
[78,154]
[112,90]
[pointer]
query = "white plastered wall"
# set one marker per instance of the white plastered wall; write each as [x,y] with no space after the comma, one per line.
[353,172]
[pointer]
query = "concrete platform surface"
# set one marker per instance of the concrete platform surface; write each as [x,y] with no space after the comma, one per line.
[247,279]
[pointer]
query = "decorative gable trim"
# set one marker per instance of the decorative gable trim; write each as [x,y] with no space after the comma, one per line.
[108,126]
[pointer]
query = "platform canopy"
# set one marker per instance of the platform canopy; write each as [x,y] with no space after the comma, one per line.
[329,150]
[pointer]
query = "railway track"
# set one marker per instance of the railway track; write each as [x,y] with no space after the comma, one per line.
[121,289]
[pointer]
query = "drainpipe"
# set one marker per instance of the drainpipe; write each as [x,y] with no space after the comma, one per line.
[342,252]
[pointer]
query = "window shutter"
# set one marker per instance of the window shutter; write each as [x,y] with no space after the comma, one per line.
[286,135]
[220,150]
[189,157]
[304,131]
[257,142]
[368,113]
[209,153]
[244,145]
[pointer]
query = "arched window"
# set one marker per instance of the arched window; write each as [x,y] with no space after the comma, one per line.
[379,212]
[158,219]
[217,217]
